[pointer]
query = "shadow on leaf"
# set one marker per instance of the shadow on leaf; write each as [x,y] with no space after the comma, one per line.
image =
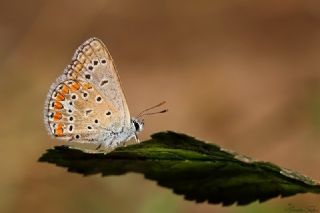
[197,170]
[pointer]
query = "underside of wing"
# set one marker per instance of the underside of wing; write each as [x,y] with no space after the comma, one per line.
[87,100]
[93,63]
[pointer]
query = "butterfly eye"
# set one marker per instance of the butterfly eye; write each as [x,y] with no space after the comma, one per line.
[136,125]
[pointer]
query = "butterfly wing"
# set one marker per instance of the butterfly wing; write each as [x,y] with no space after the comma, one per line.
[87,99]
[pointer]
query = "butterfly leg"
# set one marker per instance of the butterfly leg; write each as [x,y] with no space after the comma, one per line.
[99,146]
[136,138]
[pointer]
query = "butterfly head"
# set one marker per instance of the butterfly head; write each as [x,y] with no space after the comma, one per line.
[137,124]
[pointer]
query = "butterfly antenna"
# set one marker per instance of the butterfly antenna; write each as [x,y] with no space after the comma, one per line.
[144,112]
[160,104]
[152,113]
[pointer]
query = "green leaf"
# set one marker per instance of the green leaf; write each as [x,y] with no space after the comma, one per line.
[197,170]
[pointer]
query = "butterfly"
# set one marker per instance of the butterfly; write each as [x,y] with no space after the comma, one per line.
[86,104]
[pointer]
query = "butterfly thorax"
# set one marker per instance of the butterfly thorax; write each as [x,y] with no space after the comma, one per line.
[113,138]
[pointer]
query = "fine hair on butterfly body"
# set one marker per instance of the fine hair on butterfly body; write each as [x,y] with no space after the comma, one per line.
[86,104]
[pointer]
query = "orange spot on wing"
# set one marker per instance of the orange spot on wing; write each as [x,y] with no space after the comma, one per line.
[58,105]
[87,86]
[59,130]
[64,90]
[75,86]
[59,126]
[60,97]
[57,116]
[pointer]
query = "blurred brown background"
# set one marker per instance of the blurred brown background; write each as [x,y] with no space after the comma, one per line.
[242,74]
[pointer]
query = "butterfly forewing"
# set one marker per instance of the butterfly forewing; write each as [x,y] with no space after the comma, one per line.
[88,98]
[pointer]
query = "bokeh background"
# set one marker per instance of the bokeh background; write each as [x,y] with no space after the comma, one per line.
[242,74]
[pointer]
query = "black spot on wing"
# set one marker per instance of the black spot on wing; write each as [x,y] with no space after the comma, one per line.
[103,82]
